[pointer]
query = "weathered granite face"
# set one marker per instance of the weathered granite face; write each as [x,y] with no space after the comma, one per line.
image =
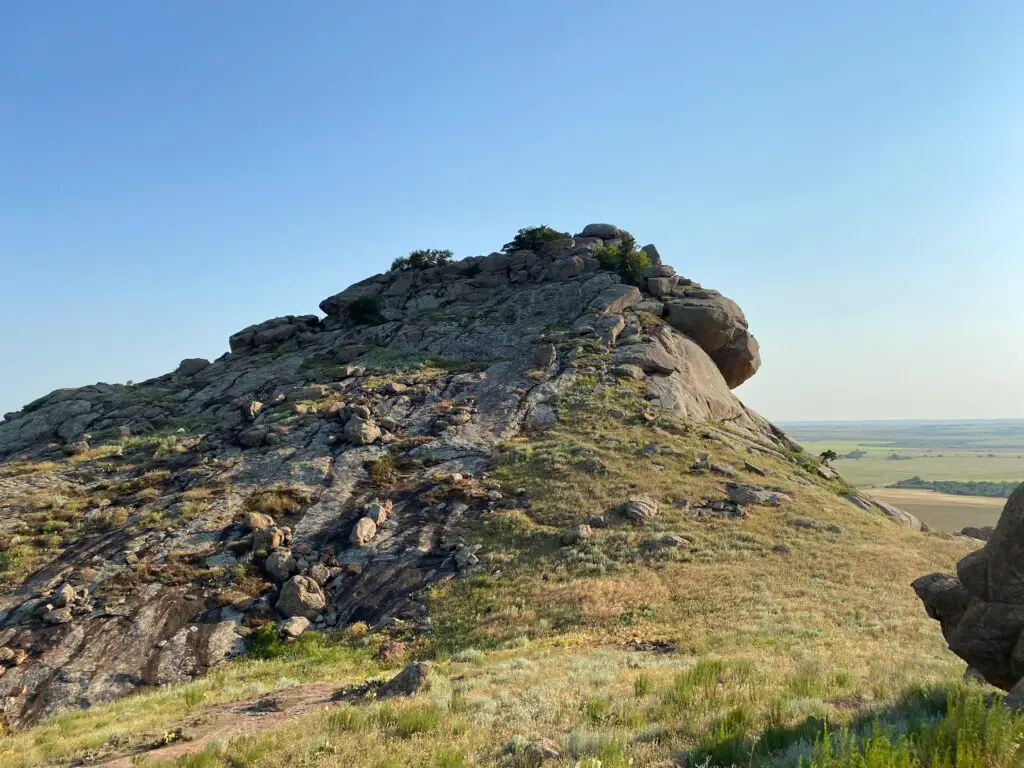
[129,603]
[981,609]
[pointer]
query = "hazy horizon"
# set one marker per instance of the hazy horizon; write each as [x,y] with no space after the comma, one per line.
[850,175]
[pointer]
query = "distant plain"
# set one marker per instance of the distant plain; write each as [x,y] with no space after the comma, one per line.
[937,450]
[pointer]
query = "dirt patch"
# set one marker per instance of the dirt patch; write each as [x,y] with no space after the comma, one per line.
[238,718]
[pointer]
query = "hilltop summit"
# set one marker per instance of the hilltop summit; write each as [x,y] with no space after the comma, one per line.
[328,470]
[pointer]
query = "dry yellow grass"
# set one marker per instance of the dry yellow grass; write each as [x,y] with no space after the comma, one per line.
[767,624]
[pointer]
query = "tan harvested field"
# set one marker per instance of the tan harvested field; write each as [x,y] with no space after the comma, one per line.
[943,511]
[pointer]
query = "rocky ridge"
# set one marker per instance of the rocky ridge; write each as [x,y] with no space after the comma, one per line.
[206,502]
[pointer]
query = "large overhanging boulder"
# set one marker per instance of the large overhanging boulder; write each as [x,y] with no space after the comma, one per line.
[981,609]
[717,324]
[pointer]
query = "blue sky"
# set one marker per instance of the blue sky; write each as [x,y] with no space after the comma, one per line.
[852,174]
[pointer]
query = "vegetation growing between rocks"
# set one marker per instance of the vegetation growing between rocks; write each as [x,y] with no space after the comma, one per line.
[422,259]
[533,239]
[626,259]
[364,311]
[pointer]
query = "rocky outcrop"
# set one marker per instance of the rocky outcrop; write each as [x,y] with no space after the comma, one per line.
[981,609]
[266,463]
[717,324]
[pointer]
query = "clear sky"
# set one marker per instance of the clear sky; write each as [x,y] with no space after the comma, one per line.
[851,173]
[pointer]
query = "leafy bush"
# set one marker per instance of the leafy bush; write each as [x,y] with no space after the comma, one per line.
[266,643]
[533,238]
[364,311]
[626,259]
[422,259]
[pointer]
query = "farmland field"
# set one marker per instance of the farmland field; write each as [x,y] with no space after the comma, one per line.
[942,511]
[886,452]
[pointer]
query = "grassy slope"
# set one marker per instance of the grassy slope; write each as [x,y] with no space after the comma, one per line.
[766,644]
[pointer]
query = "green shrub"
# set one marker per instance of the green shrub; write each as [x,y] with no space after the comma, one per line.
[422,259]
[449,757]
[470,655]
[266,643]
[383,470]
[347,718]
[597,709]
[643,684]
[626,259]
[533,239]
[364,311]
[409,721]
[193,696]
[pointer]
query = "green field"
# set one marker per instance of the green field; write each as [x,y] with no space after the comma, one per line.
[876,469]
[935,450]
[946,450]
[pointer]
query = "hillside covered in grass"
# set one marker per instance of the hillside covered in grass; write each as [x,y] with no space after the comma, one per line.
[526,470]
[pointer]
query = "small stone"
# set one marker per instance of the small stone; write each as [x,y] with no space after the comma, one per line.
[6,655]
[628,371]
[616,413]
[319,573]
[395,388]
[672,541]
[835,528]
[392,651]
[466,558]
[251,410]
[576,534]
[58,616]
[295,626]
[541,750]
[754,468]
[267,539]
[379,510]
[64,595]
[75,448]
[363,531]
[544,355]
[640,509]
[782,549]
[597,521]
[413,678]
[301,596]
[361,431]
[494,496]
[280,565]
